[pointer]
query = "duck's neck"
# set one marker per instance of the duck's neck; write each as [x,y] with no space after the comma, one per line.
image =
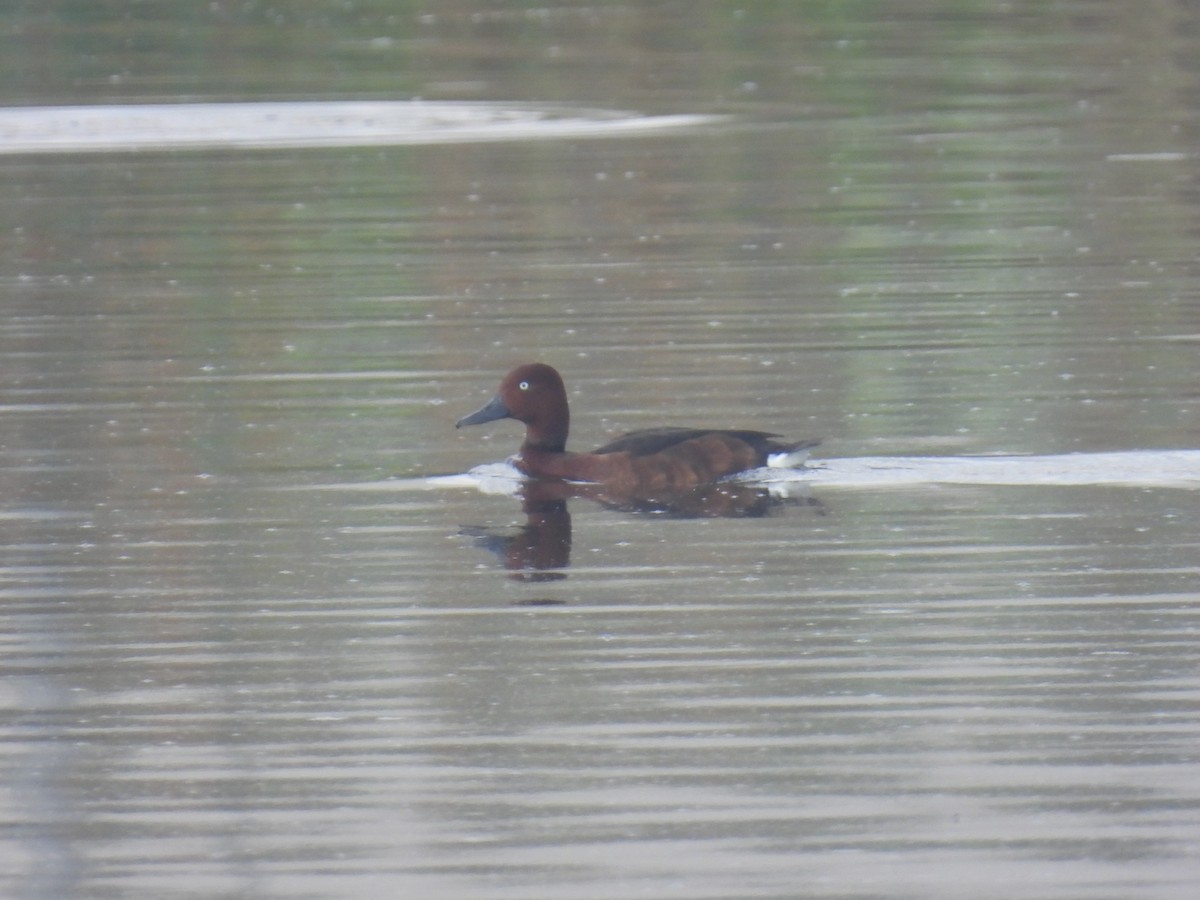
[546,443]
[548,438]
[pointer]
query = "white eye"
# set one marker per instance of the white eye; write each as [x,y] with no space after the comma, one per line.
[524,385]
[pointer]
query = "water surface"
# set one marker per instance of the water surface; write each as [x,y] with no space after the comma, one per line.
[256,644]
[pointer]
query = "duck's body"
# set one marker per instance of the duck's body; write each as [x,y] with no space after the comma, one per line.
[647,461]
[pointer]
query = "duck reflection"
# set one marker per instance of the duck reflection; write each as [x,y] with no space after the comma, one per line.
[540,549]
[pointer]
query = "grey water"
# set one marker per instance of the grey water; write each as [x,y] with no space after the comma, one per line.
[264,635]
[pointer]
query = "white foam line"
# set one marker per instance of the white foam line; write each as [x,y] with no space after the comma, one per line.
[1138,468]
[1171,468]
[49,129]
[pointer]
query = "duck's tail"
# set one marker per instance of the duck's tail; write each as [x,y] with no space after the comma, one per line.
[790,456]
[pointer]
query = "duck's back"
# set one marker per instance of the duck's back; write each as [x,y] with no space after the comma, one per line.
[649,441]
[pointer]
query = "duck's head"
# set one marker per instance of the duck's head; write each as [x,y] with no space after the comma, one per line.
[533,394]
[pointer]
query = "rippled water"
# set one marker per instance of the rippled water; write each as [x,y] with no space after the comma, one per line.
[268,632]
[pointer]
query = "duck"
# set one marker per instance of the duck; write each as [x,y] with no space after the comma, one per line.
[646,462]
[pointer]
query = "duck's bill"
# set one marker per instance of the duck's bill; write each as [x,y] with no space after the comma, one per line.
[494,409]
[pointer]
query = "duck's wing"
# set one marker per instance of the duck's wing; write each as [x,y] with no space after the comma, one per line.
[649,441]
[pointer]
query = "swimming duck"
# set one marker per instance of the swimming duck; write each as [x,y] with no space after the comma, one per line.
[649,461]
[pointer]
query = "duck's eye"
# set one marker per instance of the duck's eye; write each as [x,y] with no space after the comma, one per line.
[524,385]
